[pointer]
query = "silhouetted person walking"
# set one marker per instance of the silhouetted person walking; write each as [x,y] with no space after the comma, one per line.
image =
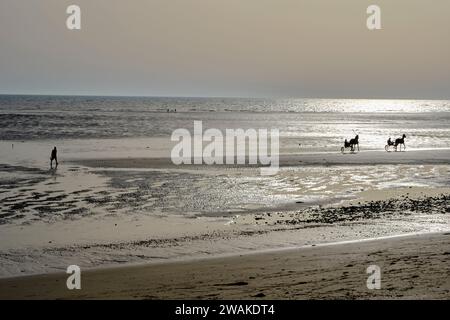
[54,156]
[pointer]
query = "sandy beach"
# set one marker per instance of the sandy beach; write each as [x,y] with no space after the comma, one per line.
[412,267]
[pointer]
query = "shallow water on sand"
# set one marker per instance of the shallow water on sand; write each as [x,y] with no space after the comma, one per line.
[73,191]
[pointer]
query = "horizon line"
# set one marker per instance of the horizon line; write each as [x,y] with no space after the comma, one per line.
[211,97]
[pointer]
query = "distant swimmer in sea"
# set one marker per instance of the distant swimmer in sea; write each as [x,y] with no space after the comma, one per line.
[54,156]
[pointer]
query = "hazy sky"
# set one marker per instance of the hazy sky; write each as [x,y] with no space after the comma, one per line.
[288,48]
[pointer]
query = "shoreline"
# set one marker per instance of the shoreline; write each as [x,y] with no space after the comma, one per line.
[265,274]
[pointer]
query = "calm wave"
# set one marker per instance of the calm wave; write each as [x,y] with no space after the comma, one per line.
[312,123]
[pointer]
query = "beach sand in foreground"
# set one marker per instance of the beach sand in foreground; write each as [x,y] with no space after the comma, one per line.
[412,267]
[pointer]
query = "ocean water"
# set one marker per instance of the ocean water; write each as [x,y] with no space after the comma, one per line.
[304,124]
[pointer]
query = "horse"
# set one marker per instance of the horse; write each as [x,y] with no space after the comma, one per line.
[400,141]
[351,144]
[354,142]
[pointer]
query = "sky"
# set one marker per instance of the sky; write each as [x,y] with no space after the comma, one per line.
[239,48]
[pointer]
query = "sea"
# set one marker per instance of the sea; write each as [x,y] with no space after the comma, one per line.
[312,124]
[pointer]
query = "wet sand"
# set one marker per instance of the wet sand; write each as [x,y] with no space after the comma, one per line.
[412,267]
[102,217]
[372,157]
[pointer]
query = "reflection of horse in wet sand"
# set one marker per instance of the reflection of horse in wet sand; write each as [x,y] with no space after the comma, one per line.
[351,144]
